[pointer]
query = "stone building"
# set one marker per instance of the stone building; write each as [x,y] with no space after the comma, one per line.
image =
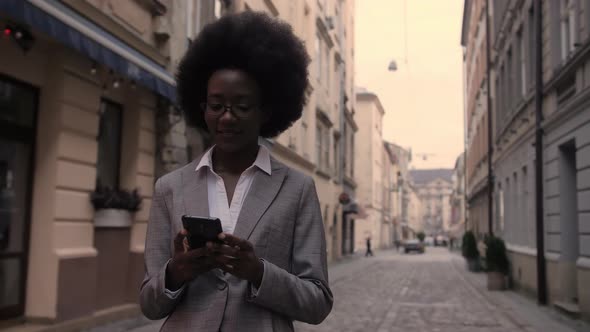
[565,79]
[370,170]
[473,40]
[81,86]
[434,188]
[322,143]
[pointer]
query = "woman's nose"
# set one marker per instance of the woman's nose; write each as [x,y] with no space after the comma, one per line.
[227,115]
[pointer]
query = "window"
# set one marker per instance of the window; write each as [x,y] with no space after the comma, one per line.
[523,63]
[345,150]
[500,211]
[318,145]
[292,137]
[510,85]
[336,143]
[531,45]
[336,78]
[352,155]
[189,19]
[524,208]
[318,57]
[326,67]
[304,140]
[326,148]
[517,201]
[217,8]
[322,146]
[502,92]
[109,143]
[568,28]
[498,109]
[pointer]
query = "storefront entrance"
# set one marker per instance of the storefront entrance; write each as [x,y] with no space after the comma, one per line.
[18,106]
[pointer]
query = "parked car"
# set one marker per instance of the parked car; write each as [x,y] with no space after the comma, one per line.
[413,245]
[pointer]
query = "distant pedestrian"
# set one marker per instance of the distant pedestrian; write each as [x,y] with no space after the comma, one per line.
[369,251]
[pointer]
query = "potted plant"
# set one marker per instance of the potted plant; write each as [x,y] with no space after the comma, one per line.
[114,207]
[470,252]
[496,263]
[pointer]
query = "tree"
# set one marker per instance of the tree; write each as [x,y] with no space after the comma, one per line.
[421,236]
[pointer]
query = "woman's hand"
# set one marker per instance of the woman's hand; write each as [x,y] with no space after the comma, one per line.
[186,264]
[236,256]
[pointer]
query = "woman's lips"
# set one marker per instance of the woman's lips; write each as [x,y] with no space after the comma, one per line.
[227,133]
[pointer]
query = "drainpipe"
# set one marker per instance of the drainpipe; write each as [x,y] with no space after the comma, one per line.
[541,263]
[490,136]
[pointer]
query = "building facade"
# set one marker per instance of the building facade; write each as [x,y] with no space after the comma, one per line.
[392,194]
[565,43]
[404,202]
[321,143]
[370,169]
[414,214]
[390,230]
[81,86]
[473,40]
[434,188]
[87,97]
[457,200]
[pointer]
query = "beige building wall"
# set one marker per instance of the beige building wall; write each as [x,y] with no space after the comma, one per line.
[370,169]
[388,189]
[473,37]
[72,270]
[415,216]
[566,148]
[318,133]
[62,232]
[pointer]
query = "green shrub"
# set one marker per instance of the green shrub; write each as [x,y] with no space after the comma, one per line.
[421,236]
[469,246]
[496,257]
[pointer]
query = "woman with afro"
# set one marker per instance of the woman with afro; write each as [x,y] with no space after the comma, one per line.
[242,79]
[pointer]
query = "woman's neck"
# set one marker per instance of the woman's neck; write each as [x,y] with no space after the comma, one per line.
[234,162]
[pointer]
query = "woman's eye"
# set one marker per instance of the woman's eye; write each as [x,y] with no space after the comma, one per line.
[242,108]
[215,107]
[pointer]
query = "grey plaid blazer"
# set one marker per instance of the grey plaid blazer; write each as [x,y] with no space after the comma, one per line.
[281,217]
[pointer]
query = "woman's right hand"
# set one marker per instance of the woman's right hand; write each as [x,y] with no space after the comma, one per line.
[186,264]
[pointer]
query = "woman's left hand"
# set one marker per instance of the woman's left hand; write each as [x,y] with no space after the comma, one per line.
[237,257]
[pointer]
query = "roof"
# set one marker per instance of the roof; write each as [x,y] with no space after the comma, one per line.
[423,176]
[390,152]
[365,95]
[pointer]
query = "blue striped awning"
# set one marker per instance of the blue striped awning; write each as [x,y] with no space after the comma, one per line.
[79,33]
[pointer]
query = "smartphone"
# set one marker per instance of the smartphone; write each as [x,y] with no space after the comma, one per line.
[201,230]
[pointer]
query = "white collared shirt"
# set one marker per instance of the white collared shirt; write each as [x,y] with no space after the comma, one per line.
[219,207]
[217,195]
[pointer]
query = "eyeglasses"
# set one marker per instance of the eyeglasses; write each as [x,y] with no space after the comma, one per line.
[240,111]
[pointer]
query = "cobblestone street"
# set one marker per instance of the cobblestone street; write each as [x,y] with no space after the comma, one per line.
[429,292]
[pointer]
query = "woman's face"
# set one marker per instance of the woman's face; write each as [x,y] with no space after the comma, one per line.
[232,110]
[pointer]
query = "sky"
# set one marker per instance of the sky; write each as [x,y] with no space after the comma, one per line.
[423,99]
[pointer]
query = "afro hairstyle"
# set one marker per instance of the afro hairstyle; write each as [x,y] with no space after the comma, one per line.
[265,48]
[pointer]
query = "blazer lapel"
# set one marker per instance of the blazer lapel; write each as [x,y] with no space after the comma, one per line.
[195,194]
[263,191]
